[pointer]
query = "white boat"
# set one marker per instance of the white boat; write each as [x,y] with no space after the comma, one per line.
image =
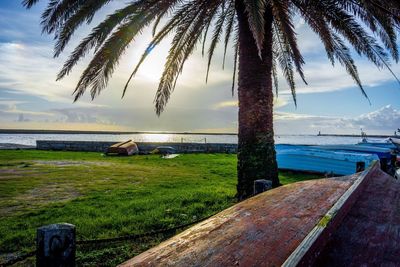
[396,142]
[385,143]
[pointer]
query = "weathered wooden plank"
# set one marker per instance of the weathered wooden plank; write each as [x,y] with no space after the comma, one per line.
[261,231]
[309,249]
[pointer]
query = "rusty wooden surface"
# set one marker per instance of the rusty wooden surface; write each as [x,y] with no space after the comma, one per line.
[370,233]
[309,249]
[261,231]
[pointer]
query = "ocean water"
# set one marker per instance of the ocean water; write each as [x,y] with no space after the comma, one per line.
[30,139]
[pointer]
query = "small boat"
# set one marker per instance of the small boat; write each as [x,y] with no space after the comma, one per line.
[396,142]
[385,143]
[386,155]
[382,152]
[165,150]
[127,148]
[323,161]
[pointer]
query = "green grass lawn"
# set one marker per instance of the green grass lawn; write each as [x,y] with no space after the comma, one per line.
[110,196]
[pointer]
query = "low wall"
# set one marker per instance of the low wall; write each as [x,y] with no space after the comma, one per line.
[144,147]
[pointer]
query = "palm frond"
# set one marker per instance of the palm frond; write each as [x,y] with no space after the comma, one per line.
[98,36]
[157,21]
[85,13]
[370,27]
[56,13]
[230,25]
[101,67]
[177,18]
[235,59]
[342,53]
[314,18]
[283,56]
[205,37]
[361,41]
[183,44]
[218,28]
[283,22]
[255,13]
[29,3]
[275,75]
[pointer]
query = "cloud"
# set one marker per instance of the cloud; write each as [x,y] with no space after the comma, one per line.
[278,103]
[45,125]
[11,107]
[385,118]
[96,115]
[292,116]
[382,121]
[28,68]
[226,104]
[322,77]
[28,71]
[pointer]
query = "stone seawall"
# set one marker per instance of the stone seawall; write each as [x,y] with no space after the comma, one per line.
[144,147]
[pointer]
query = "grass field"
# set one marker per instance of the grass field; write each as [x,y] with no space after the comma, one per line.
[110,196]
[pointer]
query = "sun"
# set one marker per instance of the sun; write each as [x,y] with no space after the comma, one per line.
[153,67]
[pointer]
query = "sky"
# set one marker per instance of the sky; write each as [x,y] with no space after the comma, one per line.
[31,98]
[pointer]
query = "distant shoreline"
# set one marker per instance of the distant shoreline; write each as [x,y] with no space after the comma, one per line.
[359,135]
[31,131]
[20,131]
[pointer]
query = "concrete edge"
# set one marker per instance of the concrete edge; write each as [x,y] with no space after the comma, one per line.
[308,250]
[144,147]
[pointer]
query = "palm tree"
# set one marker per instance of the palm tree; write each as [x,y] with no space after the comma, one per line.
[263,36]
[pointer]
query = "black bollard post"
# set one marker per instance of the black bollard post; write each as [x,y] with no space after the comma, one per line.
[261,186]
[55,245]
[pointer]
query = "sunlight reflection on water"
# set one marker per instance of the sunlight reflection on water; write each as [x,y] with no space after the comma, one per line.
[157,138]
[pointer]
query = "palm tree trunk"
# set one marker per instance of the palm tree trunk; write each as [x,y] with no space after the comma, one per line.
[256,151]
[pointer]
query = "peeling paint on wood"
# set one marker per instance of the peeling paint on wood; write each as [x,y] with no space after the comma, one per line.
[370,233]
[261,231]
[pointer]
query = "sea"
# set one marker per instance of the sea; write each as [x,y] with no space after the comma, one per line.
[30,139]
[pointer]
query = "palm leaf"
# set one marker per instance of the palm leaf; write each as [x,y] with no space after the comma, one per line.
[368,26]
[183,44]
[283,56]
[98,36]
[218,28]
[230,25]
[235,60]
[85,13]
[282,14]
[173,22]
[255,13]
[101,67]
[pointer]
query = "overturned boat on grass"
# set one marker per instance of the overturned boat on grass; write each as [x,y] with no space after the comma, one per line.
[341,221]
[127,148]
[387,156]
[322,161]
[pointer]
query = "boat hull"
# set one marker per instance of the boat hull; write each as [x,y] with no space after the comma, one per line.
[127,148]
[328,162]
